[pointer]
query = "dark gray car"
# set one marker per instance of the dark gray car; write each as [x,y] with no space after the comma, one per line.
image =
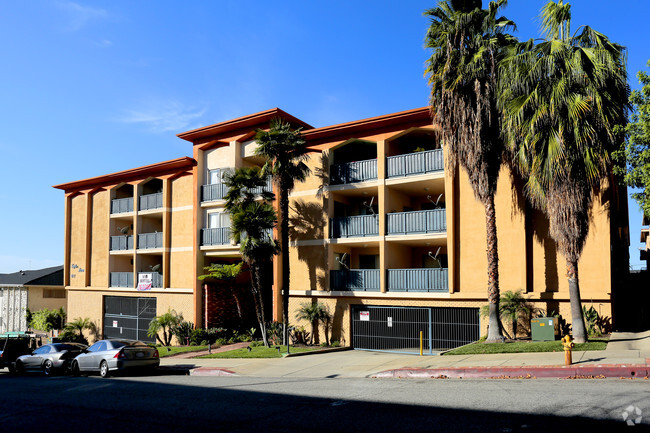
[51,358]
[107,356]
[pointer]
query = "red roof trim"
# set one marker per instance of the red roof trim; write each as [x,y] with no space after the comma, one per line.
[130,175]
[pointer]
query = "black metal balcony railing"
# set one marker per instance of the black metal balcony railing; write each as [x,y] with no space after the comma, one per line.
[418,280]
[212,192]
[121,279]
[150,201]
[121,205]
[156,279]
[354,226]
[121,243]
[366,280]
[351,172]
[424,221]
[217,191]
[150,240]
[215,236]
[415,163]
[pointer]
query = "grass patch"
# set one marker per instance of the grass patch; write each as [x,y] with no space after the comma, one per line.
[524,346]
[175,350]
[259,352]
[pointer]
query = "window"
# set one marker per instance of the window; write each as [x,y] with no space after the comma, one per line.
[53,293]
[95,347]
[216,176]
[42,350]
[218,219]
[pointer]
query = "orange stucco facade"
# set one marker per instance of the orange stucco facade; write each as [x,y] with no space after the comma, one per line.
[381,204]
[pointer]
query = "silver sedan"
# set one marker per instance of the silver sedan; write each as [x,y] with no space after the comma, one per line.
[49,358]
[108,356]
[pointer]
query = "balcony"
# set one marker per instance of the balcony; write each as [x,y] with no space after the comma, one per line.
[122,243]
[217,191]
[424,221]
[415,163]
[122,205]
[418,280]
[150,201]
[212,192]
[351,172]
[150,240]
[156,279]
[354,226]
[365,280]
[121,279]
[215,236]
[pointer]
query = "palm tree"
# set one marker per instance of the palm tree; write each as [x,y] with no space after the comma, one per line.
[79,325]
[252,219]
[513,306]
[166,323]
[562,100]
[286,155]
[467,43]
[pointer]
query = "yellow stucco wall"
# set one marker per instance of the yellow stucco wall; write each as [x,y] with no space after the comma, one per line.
[36,301]
[100,239]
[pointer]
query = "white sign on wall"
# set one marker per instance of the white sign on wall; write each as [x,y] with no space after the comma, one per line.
[145,281]
[364,316]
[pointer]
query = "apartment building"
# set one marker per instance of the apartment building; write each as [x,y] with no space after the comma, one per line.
[381,233]
[129,247]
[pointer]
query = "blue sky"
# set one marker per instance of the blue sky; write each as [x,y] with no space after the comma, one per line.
[90,88]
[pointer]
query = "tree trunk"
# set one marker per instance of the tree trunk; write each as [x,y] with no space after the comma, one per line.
[284,251]
[577,318]
[258,300]
[494,324]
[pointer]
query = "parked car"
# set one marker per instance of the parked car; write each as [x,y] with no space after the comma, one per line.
[51,358]
[15,344]
[107,356]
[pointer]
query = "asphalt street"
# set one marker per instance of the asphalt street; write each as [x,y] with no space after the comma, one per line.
[262,404]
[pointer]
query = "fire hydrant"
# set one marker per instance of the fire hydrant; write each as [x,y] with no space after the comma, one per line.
[567,344]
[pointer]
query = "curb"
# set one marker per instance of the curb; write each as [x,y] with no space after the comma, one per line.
[317,352]
[211,371]
[598,371]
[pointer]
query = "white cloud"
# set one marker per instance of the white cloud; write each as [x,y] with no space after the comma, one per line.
[168,116]
[104,43]
[79,16]
[11,264]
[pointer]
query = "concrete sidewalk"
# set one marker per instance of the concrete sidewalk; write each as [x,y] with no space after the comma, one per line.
[626,356]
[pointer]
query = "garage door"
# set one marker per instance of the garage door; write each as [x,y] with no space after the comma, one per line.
[397,329]
[126,317]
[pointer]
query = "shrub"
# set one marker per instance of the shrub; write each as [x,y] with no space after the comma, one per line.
[183,332]
[71,336]
[46,320]
[166,323]
[336,343]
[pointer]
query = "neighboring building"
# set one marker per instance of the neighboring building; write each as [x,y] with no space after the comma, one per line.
[33,290]
[381,233]
[125,227]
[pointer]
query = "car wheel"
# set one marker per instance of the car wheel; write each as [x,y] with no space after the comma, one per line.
[74,369]
[103,369]
[14,369]
[48,368]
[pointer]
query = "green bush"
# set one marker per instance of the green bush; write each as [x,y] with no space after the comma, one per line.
[183,332]
[69,335]
[46,320]
[200,335]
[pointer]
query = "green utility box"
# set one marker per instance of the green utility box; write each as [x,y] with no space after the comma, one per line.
[544,328]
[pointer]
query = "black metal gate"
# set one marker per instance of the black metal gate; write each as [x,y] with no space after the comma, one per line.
[126,317]
[397,329]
